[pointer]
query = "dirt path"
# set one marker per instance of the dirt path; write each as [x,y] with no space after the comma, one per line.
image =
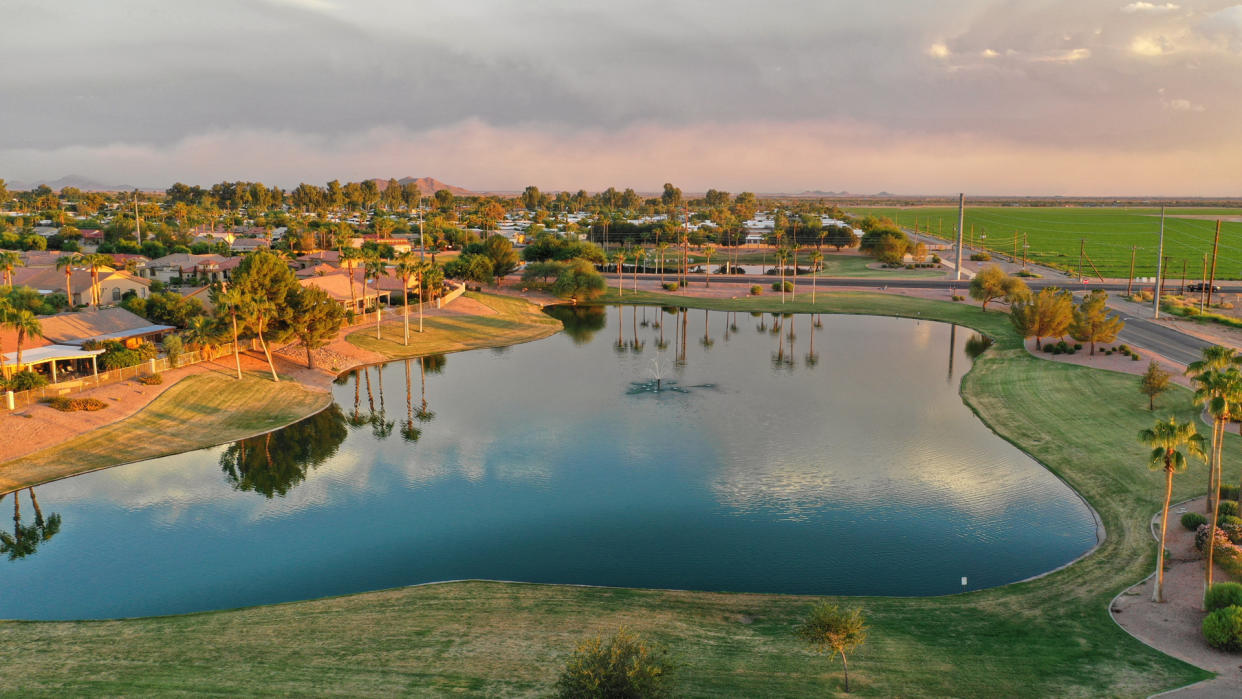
[1174,626]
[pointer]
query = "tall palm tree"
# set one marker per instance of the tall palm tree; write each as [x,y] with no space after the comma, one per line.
[94,262]
[373,267]
[6,309]
[9,261]
[618,258]
[235,302]
[663,248]
[27,325]
[782,256]
[67,262]
[708,251]
[349,257]
[407,267]
[1215,359]
[817,258]
[1221,392]
[1167,439]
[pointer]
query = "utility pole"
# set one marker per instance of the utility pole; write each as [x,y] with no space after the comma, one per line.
[1159,256]
[1130,281]
[1182,290]
[1015,247]
[138,222]
[1212,278]
[422,246]
[1203,284]
[1024,247]
[1082,250]
[972,236]
[961,219]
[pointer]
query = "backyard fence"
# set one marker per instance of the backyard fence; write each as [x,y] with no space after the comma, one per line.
[14,400]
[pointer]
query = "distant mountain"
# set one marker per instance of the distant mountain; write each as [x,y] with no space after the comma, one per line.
[822,193]
[85,184]
[427,185]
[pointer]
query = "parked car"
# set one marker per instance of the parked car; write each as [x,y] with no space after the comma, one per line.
[1202,286]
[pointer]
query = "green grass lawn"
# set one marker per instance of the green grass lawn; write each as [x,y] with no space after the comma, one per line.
[835,264]
[514,321]
[1047,637]
[1054,234]
[200,410]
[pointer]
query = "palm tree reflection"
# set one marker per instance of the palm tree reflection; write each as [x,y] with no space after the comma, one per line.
[272,464]
[26,538]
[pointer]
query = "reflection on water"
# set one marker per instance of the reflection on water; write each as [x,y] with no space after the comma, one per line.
[25,539]
[808,455]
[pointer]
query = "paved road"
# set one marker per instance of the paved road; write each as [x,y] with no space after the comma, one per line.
[1140,332]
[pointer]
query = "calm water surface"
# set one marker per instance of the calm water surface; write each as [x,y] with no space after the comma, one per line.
[761,464]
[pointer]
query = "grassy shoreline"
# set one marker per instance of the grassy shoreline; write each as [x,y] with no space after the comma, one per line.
[1050,636]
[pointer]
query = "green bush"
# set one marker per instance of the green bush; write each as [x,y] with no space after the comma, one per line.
[1192,520]
[25,381]
[1221,595]
[1223,629]
[1228,492]
[776,286]
[1229,521]
[621,666]
[670,286]
[152,380]
[980,257]
[1228,508]
[755,290]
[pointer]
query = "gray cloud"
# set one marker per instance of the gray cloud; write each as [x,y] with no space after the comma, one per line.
[155,75]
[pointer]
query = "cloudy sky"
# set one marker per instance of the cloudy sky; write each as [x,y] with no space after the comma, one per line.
[914,96]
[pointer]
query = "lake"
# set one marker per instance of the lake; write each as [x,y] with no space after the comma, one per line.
[640,448]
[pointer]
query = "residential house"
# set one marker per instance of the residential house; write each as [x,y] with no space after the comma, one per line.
[113,284]
[353,295]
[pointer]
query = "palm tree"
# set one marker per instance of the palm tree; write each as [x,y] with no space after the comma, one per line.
[1166,440]
[349,256]
[663,248]
[374,267]
[817,258]
[93,262]
[1215,359]
[235,302]
[1221,392]
[9,261]
[27,325]
[782,256]
[409,432]
[708,251]
[6,309]
[618,258]
[407,267]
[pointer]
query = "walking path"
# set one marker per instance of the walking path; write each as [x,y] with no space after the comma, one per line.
[1174,626]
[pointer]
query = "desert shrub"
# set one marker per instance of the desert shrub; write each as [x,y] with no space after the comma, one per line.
[958,297]
[1221,595]
[755,290]
[152,380]
[980,257]
[1229,521]
[1223,629]
[173,347]
[776,286]
[1134,357]
[621,666]
[1192,520]
[69,405]
[1228,508]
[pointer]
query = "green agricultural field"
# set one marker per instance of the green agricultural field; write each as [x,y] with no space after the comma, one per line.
[1055,235]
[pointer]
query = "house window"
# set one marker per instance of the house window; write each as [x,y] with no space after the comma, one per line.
[116,293]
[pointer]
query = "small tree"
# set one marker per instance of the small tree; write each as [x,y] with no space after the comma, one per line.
[621,666]
[1091,321]
[992,283]
[1155,381]
[831,629]
[315,319]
